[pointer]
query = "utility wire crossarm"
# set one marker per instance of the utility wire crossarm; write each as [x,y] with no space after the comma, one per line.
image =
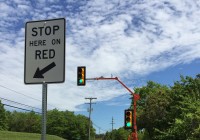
[135,98]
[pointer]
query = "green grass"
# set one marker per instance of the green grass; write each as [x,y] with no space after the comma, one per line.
[8,135]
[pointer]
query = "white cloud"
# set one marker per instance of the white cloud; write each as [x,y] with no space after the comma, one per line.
[5,9]
[20,1]
[23,7]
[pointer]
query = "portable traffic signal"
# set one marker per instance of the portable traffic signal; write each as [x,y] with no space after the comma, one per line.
[128,119]
[81,76]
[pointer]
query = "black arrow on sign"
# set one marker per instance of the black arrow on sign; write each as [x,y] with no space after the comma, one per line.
[39,73]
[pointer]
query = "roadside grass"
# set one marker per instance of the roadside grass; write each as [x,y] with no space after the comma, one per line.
[8,135]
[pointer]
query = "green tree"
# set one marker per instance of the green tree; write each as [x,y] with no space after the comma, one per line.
[121,134]
[32,122]
[185,109]
[3,118]
[17,121]
[117,134]
[57,123]
[24,122]
[83,125]
[153,108]
[170,112]
[68,125]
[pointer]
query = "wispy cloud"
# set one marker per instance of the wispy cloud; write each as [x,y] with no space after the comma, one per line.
[123,38]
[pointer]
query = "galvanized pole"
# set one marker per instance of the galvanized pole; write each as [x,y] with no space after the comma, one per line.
[44,110]
[90,117]
[90,109]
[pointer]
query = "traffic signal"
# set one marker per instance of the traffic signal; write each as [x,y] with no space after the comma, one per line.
[128,120]
[81,76]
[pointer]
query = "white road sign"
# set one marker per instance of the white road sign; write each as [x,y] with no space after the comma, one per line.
[45,51]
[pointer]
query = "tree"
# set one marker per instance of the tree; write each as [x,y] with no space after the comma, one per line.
[57,123]
[24,122]
[170,112]
[32,122]
[3,118]
[117,134]
[153,107]
[67,125]
[185,108]
[121,134]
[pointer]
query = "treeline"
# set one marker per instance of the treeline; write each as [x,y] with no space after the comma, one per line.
[166,112]
[61,123]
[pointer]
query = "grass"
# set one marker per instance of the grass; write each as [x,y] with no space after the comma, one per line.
[8,135]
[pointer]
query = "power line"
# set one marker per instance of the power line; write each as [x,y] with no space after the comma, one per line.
[99,127]
[25,95]
[19,103]
[20,93]
[20,108]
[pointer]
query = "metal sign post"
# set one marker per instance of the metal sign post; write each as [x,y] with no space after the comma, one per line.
[44,110]
[44,59]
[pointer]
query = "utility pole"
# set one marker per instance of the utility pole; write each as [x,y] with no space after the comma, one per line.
[112,123]
[99,130]
[90,110]
[112,128]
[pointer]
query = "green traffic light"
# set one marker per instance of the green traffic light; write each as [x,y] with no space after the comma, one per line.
[81,81]
[128,124]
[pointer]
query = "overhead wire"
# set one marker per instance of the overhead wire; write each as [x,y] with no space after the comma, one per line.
[99,127]
[20,108]
[20,93]
[25,95]
[20,103]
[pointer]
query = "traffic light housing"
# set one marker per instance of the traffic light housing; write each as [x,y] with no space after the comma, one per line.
[81,76]
[128,119]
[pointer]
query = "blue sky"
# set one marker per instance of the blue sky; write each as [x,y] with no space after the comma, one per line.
[135,40]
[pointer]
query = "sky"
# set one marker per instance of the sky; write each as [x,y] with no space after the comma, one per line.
[134,40]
